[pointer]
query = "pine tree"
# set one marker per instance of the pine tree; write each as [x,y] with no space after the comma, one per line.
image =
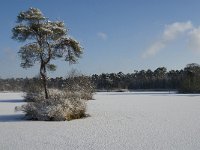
[45,41]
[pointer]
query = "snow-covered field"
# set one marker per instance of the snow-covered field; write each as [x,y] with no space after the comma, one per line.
[119,121]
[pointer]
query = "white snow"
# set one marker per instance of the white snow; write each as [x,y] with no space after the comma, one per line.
[119,121]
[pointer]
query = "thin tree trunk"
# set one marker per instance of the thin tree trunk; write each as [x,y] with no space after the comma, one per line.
[45,87]
[44,80]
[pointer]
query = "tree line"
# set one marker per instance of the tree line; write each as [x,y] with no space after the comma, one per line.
[186,80]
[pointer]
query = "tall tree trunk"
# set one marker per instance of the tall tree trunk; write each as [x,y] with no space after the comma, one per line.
[45,86]
[44,80]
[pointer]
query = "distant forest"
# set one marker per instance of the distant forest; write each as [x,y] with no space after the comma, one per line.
[186,80]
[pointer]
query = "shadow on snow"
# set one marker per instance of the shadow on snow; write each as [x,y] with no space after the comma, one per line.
[12,101]
[12,118]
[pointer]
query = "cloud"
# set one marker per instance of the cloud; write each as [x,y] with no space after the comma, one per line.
[194,40]
[153,49]
[102,35]
[170,33]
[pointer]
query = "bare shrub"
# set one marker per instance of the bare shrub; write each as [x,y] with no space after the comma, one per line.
[59,107]
[79,83]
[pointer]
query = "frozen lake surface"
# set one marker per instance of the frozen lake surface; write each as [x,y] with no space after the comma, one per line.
[119,121]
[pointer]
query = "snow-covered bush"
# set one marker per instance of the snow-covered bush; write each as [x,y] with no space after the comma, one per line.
[78,83]
[60,106]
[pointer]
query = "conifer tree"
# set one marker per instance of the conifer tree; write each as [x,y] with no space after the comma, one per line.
[45,41]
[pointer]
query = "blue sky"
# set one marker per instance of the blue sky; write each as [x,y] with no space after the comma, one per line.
[116,35]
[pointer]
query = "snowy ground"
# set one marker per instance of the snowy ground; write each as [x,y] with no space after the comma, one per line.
[119,121]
